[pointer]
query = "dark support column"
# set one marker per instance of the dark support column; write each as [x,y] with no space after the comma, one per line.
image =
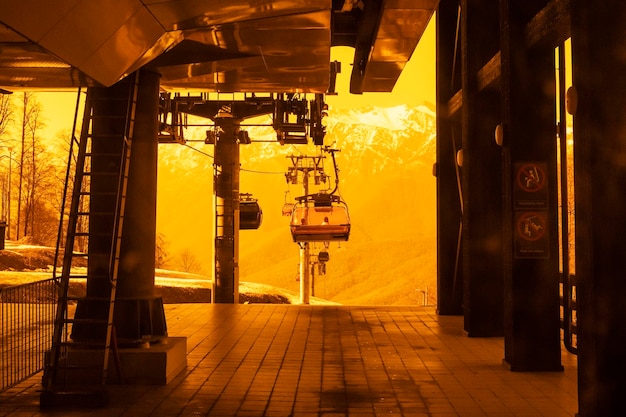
[226,250]
[449,282]
[481,174]
[600,175]
[139,314]
[136,299]
[138,245]
[532,308]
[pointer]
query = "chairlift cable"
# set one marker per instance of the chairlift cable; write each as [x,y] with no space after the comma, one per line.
[241,169]
[336,169]
[198,150]
[262,172]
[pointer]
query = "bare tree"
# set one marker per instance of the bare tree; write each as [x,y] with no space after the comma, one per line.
[25,116]
[31,123]
[187,262]
[64,176]
[161,255]
[6,119]
[6,113]
[40,196]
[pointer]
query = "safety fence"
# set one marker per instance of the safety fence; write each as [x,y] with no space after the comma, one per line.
[26,327]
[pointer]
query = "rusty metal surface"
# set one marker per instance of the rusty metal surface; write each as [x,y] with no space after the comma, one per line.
[239,45]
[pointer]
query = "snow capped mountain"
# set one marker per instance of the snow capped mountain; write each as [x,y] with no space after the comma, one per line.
[379,135]
[384,138]
[402,132]
[396,118]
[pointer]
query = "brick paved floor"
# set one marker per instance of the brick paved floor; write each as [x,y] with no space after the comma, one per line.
[291,361]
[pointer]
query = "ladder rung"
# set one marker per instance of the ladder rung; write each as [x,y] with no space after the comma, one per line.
[83,344]
[73,298]
[104,135]
[77,276]
[92,174]
[88,298]
[92,234]
[98,193]
[81,297]
[94,137]
[91,154]
[97,367]
[109,116]
[85,321]
[108,98]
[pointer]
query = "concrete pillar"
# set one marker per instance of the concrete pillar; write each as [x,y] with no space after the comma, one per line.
[139,314]
[139,234]
[135,291]
[449,266]
[531,281]
[600,174]
[481,175]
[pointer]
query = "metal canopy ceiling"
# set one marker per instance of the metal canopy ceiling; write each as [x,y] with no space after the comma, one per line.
[230,46]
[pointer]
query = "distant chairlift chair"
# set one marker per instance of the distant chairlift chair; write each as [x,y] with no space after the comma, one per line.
[320,218]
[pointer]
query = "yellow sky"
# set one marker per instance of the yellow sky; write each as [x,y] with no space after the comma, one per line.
[415,85]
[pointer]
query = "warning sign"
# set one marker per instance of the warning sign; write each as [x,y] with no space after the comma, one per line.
[531,234]
[530,189]
[531,177]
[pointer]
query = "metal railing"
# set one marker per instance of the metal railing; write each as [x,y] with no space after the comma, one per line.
[569,321]
[26,327]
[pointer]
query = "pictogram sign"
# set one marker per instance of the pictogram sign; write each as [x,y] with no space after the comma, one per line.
[531,234]
[530,189]
[531,226]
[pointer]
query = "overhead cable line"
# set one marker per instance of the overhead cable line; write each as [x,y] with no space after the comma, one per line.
[199,151]
[242,169]
[263,172]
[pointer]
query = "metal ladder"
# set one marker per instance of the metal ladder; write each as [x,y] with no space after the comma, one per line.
[60,381]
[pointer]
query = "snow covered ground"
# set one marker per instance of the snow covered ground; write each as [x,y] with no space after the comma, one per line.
[163,278]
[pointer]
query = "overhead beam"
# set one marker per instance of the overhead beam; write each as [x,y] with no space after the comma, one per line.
[489,75]
[550,26]
[455,104]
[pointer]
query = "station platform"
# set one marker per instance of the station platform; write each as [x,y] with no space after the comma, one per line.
[311,361]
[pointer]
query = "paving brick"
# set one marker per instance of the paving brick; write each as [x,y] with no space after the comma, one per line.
[313,361]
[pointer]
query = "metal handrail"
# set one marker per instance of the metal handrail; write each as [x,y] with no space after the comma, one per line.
[567,278]
[27,314]
[568,319]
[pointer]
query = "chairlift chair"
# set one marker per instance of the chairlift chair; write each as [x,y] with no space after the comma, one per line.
[320,218]
[287,209]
